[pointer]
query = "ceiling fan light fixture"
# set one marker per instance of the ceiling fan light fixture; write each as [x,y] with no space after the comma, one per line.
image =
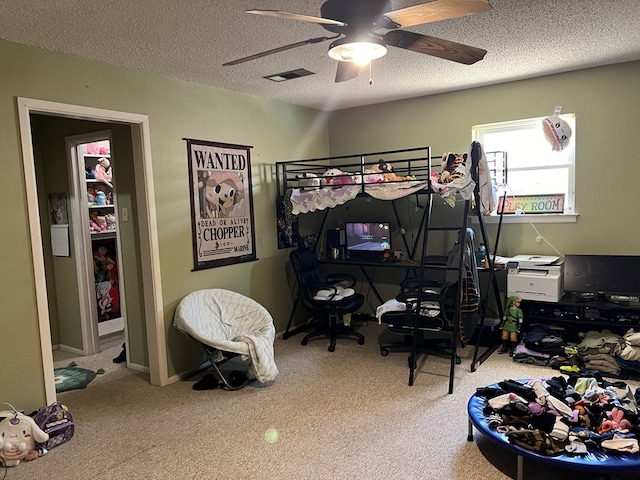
[360,51]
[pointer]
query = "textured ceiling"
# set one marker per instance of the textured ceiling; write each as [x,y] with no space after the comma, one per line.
[191,39]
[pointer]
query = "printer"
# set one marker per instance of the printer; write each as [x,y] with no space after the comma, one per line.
[535,277]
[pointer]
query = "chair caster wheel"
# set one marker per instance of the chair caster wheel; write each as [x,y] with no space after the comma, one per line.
[361,341]
[332,348]
[384,352]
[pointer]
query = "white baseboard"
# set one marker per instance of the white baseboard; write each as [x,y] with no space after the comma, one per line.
[66,348]
[138,368]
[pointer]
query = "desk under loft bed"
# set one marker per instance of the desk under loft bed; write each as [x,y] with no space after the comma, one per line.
[321,184]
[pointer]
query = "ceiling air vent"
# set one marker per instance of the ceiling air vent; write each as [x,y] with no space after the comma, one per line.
[282,77]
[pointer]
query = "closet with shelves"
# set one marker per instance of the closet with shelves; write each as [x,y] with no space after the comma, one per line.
[97,237]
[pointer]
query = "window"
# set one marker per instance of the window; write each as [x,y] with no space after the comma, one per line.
[531,166]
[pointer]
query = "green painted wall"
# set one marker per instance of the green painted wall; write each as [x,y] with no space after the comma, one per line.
[605,101]
[176,110]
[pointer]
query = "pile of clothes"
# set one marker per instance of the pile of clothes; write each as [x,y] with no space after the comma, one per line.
[604,351]
[573,415]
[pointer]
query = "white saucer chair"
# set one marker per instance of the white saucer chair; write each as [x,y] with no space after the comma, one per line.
[228,324]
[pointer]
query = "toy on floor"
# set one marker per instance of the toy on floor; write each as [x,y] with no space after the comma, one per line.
[18,437]
[572,360]
[511,325]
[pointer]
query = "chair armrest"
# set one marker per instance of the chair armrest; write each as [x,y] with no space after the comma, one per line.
[410,298]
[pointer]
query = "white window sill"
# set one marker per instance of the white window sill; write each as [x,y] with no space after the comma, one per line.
[530,218]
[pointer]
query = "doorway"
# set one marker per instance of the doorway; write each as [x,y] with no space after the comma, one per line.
[95,212]
[146,233]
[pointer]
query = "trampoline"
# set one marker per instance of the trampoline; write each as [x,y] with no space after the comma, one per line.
[595,461]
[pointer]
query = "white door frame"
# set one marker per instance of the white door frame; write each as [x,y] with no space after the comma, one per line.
[148,235]
[82,238]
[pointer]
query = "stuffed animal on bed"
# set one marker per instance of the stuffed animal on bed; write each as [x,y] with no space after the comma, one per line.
[383,172]
[334,177]
[18,437]
[453,167]
[308,180]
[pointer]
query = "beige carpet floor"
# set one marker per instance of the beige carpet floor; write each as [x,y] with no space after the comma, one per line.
[342,415]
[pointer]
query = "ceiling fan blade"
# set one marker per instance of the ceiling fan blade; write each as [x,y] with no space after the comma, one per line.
[436,47]
[347,71]
[432,12]
[278,50]
[295,16]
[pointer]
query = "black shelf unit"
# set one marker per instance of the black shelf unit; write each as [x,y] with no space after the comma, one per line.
[574,314]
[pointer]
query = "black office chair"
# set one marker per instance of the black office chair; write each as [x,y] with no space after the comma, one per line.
[425,325]
[328,297]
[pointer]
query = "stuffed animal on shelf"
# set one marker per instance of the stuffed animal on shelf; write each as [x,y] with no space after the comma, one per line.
[92,148]
[18,437]
[111,221]
[91,195]
[334,177]
[101,198]
[101,220]
[453,167]
[89,174]
[103,170]
[103,297]
[97,223]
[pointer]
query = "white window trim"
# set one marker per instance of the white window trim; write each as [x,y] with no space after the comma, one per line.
[571,214]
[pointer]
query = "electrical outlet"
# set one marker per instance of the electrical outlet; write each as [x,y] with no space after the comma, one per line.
[125,215]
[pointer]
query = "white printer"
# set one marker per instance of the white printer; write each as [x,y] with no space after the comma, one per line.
[535,277]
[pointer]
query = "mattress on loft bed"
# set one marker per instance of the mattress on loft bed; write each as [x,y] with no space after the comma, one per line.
[310,200]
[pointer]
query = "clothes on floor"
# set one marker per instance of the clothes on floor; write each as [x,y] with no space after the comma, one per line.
[575,414]
[603,351]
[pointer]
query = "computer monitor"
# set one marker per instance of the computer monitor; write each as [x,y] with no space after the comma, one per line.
[367,240]
[602,276]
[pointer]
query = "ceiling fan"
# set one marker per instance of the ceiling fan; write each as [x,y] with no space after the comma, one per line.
[358,26]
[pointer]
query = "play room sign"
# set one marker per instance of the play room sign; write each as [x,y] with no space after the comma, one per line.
[532,204]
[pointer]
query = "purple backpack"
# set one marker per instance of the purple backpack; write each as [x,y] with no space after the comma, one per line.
[57,421]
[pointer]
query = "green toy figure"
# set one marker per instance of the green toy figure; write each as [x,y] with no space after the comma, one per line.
[511,326]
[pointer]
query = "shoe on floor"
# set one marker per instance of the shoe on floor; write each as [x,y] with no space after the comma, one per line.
[208,382]
[122,357]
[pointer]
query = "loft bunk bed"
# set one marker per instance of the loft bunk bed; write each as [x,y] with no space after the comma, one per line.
[324,183]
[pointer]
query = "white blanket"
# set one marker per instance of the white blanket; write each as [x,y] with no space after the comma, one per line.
[310,200]
[231,322]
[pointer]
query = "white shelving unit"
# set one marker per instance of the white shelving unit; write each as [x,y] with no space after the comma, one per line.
[102,220]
